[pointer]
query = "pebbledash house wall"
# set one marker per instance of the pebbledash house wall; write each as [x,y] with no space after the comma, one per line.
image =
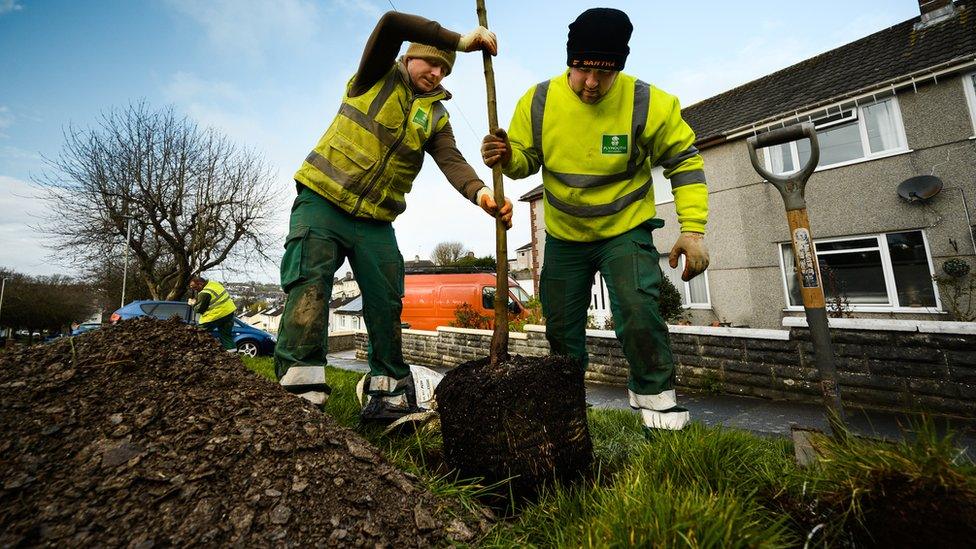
[908,366]
[747,219]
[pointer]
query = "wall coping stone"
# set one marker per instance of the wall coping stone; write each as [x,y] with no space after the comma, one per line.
[420,332]
[343,333]
[725,331]
[472,331]
[890,325]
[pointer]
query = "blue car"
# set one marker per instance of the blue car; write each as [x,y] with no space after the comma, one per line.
[249,340]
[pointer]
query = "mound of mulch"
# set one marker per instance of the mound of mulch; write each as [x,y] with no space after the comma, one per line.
[524,418]
[146,434]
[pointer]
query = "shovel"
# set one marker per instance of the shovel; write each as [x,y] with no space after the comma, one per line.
[792,187]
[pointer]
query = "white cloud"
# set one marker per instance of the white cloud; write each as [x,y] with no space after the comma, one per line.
[253,29]
[23,247]
[7,6]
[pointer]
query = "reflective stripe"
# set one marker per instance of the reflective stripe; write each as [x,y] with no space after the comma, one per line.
[537,112]
[672,163]
[384,94]
[662,401]
[315,397]
[671,421]
[642,103]
[221,298]
[581,181]
[392,204]
[600,209]
[323,165]
[438,112]
[687,178]
[303,379]
[386,384]
[368,124]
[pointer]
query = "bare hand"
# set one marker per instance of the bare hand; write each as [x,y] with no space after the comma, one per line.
[496,148]
[692,245]
[479,39]
[487,203]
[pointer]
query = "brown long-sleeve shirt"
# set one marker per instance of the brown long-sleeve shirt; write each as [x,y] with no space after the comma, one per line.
[380,52]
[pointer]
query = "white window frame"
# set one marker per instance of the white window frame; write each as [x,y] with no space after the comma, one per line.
[703,305]
[858,109]
[893,305]
[970,89]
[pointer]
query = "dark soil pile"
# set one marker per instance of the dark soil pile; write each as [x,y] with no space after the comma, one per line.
[525,418]
[147,434]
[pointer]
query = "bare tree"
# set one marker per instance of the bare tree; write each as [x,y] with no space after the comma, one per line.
[194,198]
[447,253]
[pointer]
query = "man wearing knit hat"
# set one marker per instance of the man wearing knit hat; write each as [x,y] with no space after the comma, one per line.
[352,186]
[596,132]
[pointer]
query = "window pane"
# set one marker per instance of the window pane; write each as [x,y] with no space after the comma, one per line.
[780,158]
[698,290]
[840,144]
[880,122]
[803,151]
[165,311]
[796,300]
[858,275]
[674,275]
[913,280]
[847,244]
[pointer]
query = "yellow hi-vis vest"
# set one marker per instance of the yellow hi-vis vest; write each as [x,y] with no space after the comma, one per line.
[221,304]
[368,158]
[596,159]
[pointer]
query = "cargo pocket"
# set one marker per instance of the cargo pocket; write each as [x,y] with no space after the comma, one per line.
[351,160]
[392,270]
[647,269]
[307,258]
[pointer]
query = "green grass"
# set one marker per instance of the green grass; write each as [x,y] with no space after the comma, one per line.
[700,487]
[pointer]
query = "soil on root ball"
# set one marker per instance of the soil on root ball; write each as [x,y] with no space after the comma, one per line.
[147,434]
[524,418]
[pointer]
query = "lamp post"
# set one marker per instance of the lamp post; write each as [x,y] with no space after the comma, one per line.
[125,265]
[3,286]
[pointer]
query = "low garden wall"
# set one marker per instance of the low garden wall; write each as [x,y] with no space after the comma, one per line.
[882,364]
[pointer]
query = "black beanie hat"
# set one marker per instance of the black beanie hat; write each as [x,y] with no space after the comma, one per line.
[598,40]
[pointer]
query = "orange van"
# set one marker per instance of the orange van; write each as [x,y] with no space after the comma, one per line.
[430,299]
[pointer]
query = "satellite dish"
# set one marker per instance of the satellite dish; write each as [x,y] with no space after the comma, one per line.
[919,188]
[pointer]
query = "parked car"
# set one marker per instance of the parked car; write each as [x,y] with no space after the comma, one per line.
[249,340]
[430,299]
[86,327]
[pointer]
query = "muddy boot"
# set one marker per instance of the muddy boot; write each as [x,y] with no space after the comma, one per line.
[389,408]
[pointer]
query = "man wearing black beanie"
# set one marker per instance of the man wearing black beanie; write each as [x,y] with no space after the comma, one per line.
[596,132]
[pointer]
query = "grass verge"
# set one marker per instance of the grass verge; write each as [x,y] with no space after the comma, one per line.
[710,486]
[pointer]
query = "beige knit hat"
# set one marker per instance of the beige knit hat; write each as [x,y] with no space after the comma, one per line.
[430,53]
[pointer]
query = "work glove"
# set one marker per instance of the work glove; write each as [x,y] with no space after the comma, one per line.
[479,39]
[487,203]
[692,245]
[496,148]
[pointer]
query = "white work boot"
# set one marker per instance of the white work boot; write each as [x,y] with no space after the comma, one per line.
[660,411]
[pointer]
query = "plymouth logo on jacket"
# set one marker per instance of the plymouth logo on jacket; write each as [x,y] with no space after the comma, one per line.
[615,144]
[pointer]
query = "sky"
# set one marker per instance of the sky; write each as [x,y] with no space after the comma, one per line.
[270,76]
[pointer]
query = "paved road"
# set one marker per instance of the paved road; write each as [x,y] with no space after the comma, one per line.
[761,416]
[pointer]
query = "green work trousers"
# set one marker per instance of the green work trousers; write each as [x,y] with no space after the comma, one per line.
[321,237]
[629,265]
[223,325]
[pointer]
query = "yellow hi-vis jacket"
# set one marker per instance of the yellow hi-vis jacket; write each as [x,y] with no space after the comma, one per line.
[368,158]
[596,159]
[221,304]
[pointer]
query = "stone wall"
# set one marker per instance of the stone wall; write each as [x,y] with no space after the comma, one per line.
[882,364]
[342,341]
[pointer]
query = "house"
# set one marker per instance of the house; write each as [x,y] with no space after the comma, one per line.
[347,316]
[345,287]
[520,268]
[893,105]
[267,319]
